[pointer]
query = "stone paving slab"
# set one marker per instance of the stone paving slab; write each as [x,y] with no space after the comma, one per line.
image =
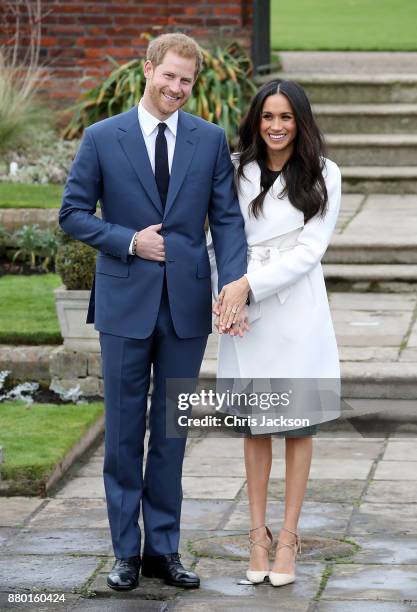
[216,447]
[118,604]
[5,534]
[320,469]
[395,550]
[408,355]
[221,577]
[373,353]
[390,583]
[350,204]
[15,511]
[367,301]
[323,490]
[211,487]
[401,450]
[191,603]
[92,468]
[70,603]
[60,542]
[380,219]
[56,573]
[392,492]
[380,518]
[216,466]
[396,470]
[83,487]
[324,519]
[204,514]
[346,449]
[72,514]
[345,605]
[356,469]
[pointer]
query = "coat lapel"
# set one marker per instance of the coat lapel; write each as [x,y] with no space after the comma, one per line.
[132,142]
[185,145]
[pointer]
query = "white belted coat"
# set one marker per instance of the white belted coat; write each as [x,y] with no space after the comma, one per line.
[291,334]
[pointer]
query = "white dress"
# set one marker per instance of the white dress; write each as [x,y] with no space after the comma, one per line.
[291,335]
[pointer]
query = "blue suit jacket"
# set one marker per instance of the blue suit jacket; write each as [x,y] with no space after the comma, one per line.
[112,165]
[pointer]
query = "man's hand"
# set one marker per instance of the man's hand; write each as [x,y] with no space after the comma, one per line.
[232,299]
[150,244]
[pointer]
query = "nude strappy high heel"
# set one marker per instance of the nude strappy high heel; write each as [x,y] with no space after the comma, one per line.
[257,576]
[278,578]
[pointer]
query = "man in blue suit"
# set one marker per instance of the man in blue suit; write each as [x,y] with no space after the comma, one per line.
[158,172]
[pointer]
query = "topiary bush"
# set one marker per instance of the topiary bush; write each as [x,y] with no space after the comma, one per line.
[75,263]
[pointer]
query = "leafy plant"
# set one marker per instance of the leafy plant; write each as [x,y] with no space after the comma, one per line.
[75,263]
[21,78]
[48,248]
[28,241]
[4,240]
[220,94]
[34,243]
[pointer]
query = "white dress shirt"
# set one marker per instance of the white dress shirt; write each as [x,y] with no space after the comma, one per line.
[149,127]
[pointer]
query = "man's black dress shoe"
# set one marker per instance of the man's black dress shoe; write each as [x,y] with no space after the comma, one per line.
[124,574]
[170,568]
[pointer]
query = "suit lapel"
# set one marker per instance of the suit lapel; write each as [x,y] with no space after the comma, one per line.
[132,142]
[185,145]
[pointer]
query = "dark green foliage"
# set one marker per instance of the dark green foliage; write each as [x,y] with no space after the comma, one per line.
[75,263]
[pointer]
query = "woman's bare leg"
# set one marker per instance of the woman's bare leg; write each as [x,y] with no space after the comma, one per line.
[298,453]
[258,460]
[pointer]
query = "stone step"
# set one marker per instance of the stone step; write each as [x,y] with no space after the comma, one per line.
[27,363]
[372,149]
[374,380]
[353,88]
[379,179]
[14,218]
[367,118]
[345,250]
[354,62]
[371,272]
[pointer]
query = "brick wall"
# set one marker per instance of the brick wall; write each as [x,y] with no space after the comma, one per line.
[77,35]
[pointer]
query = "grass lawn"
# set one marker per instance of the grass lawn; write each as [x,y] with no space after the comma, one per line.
[36,438]
[363,25]
[27,309]
[16,195]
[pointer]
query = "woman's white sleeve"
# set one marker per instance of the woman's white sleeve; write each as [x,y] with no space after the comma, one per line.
[213,267]
[312,243]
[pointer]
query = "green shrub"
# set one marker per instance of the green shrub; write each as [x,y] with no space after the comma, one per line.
[75,263]
[4,240]
[35,245]
[220,95]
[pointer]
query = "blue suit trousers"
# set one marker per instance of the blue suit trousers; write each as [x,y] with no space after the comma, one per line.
[157,491]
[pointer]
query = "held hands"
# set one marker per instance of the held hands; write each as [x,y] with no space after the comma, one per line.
[150,244]
[231,302]
[237,329]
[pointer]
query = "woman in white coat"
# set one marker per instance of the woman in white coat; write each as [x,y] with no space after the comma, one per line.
[289,195]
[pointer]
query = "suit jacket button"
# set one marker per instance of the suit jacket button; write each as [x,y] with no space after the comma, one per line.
[162,263]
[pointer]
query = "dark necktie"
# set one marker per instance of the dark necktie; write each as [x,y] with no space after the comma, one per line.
[161,164]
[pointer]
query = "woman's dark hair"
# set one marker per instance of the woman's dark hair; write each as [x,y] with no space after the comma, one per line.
[304,182]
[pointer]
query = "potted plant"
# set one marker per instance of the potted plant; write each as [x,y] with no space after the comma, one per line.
[75,263]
